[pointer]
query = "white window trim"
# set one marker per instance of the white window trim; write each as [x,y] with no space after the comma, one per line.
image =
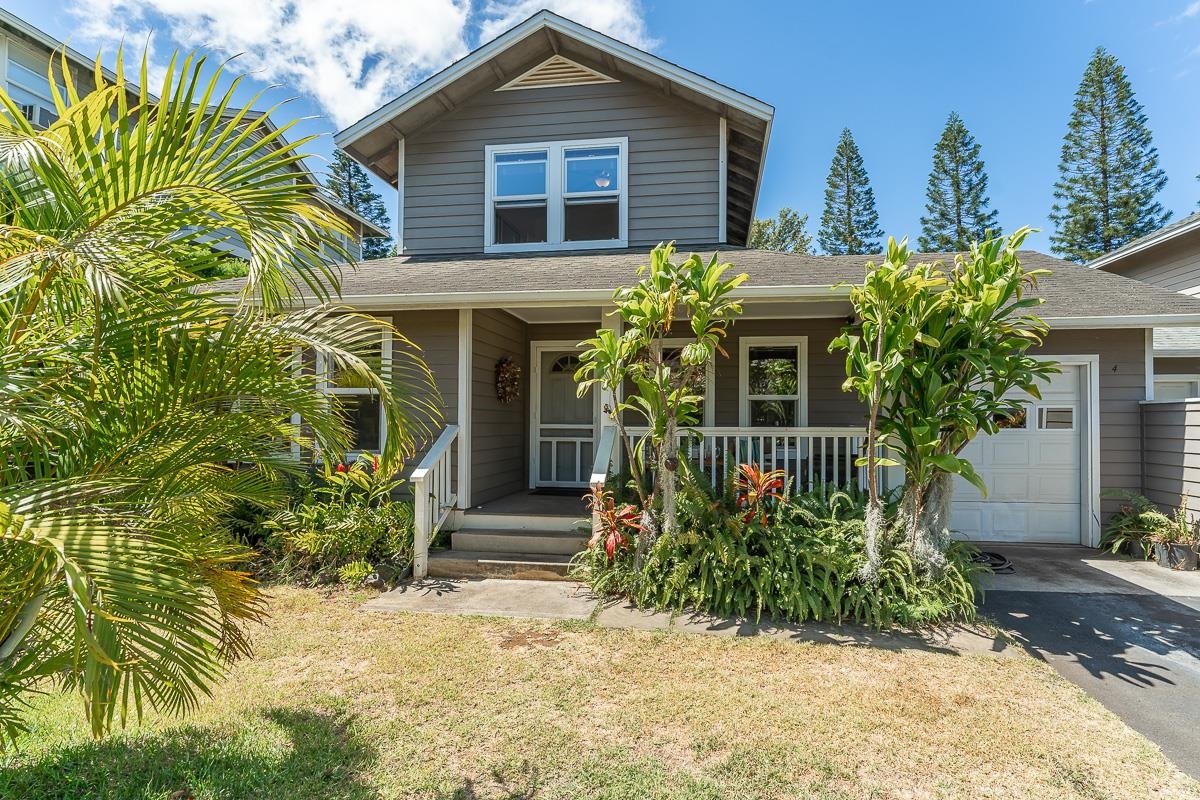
[323,367]
[710,384]
[1040,407]
[744,396]
[1190,377]
[555,195]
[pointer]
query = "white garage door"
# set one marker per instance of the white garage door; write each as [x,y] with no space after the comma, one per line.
[1032,471]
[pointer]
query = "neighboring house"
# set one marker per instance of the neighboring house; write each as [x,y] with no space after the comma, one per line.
[534,175]
[25,57]
[1170,258]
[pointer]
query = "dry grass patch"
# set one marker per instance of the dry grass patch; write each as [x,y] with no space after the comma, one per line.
[342,703]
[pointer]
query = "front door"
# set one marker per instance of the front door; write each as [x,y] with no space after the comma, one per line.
[563,423]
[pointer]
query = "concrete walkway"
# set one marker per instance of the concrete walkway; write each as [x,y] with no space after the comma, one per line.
[1126,632]
[563,600]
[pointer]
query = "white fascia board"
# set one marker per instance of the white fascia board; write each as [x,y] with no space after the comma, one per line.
[548,20]
[1132,321]
[563,297]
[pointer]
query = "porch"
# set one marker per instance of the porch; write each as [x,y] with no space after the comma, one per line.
[512,467]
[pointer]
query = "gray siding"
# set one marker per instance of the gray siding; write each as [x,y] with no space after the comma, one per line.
[1122,355]
[499,431]
[1172,453]
[1170,365]
[673,161]
[435,335]
[1174,265]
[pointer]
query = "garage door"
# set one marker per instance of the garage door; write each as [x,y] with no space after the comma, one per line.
[1031,469]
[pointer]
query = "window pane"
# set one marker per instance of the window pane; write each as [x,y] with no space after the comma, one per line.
[342,379]
[1013,418]
[519,174]
[593,169]
[1056,419]
[521,223]
[362,414]
[774,370]
[774,413]
[591,222]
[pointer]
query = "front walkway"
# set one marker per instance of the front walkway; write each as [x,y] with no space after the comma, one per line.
[1126,632]
[564,600]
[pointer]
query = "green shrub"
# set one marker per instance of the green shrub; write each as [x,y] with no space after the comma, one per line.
[342,528]
[801,564]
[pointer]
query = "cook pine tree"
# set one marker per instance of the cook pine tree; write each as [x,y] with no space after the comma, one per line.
[956,201]
[849,223]
[350,186]
[1108,176]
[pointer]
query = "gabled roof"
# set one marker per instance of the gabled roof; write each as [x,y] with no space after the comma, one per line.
[1167,233]
[373,140]
[1074,297]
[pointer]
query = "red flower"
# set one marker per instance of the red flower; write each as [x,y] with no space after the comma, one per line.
[341,468]
[375,461]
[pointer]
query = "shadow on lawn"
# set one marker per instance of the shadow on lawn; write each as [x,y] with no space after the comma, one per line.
[323,758]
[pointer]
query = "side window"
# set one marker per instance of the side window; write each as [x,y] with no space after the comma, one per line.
[359,404]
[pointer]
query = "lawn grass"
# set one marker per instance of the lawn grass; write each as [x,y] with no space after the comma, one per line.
[342,703]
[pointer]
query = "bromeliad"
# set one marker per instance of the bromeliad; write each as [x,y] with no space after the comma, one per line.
[615,521]
[757,490]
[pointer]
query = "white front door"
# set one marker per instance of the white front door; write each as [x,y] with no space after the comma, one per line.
[563,424]
[1032,469]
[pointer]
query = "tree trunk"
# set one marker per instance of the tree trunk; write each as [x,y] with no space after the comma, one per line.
[927,513]
[668,462]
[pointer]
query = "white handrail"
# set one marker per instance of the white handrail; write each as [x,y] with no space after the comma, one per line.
[606,449]
[433,496]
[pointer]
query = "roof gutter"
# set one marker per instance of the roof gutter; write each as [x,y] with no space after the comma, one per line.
[1129,321]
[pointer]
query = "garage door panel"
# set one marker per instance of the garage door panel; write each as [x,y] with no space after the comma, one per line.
[1009,450]
[1033,474]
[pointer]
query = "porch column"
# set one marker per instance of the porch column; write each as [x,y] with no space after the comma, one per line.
[607,398]
[466,333]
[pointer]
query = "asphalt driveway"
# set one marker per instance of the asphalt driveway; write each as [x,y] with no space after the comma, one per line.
[1127,633]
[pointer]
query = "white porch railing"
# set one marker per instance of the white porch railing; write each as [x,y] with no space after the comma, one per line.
[811,458]
[433,496]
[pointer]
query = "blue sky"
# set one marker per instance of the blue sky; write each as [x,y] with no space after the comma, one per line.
[889,71]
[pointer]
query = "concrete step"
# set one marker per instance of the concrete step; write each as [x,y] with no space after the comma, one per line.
[532,542]
[482,520]
[477,564]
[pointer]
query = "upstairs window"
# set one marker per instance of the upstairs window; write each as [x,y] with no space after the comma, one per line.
[29,86]
[556,195]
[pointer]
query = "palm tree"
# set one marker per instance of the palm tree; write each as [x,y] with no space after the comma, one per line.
[138,405]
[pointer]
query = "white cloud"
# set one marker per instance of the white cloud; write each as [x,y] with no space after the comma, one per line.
[620,19]
[349,56]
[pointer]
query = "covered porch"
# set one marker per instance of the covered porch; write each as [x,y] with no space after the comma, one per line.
[521,443]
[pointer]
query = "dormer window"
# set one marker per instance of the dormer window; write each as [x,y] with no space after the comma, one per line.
[556,196]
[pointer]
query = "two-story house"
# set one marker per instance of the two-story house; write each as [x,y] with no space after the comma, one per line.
[26,54]
[533,176]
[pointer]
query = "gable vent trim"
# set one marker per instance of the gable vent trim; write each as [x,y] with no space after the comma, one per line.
[556,71]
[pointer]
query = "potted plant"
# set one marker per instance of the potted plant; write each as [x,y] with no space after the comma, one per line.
[1129,530]
[1175,543]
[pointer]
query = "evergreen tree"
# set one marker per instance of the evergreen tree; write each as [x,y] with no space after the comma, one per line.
[350,186]
[1109,173]
[849,223]
[956,197]
[785,233]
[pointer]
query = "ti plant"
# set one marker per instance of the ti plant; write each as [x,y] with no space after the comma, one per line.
[691,300]
[933,352]
[758,490]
